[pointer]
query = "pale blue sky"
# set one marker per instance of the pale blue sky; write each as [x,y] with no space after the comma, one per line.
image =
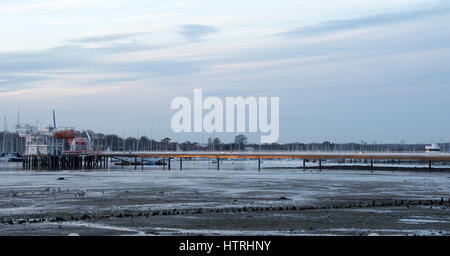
[346,70]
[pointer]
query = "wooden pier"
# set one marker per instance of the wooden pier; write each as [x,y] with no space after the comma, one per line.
[64,162]
[100,160]
[305,156]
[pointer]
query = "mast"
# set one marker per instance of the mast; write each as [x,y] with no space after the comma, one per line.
[54,120]
[18,118]
[4,134]
[151,137]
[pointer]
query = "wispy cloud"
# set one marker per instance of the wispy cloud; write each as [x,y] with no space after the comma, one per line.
[52,5]
[15,81]
[388,57]
[109,37]
[22,70]
[194,32]
[368,21]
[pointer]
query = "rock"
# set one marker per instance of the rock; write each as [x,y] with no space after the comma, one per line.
[61,178]
[284,198]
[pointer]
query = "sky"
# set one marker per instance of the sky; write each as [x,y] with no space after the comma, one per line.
[345,71]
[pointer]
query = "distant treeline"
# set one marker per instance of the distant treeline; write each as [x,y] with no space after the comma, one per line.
[11,142]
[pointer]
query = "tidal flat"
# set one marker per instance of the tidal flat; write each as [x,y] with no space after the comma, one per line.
[237,200]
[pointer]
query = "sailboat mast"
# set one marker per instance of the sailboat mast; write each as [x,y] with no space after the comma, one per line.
[18,118]
[54,120]
[4,134]
[151,137]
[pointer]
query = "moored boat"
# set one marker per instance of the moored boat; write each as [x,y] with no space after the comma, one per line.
[15,157]
[65,134]
[433,148]
[4,157]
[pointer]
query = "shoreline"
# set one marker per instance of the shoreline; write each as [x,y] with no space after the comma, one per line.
[360,168]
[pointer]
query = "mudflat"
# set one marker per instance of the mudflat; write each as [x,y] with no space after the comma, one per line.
[237,200]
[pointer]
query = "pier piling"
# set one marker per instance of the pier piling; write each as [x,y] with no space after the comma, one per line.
[94,160]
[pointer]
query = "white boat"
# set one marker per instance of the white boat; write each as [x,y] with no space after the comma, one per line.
[433,148]
[4,157]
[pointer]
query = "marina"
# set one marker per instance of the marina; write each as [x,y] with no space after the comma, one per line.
[60,180]
[65,148]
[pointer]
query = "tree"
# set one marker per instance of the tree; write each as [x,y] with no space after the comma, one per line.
[214,143]
[130,143]
[210,142]
[240,141]
[166,142]
[217,142]
[143,143]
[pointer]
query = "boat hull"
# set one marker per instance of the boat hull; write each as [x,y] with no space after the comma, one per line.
[68,134]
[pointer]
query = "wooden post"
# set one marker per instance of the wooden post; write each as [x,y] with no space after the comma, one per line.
[259,164]
[304,164]
[168,163]
[218,165]
[164,163]
[320,164]
[429,165]
[135,163]
[181,163]
[142,163]
[371,164]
